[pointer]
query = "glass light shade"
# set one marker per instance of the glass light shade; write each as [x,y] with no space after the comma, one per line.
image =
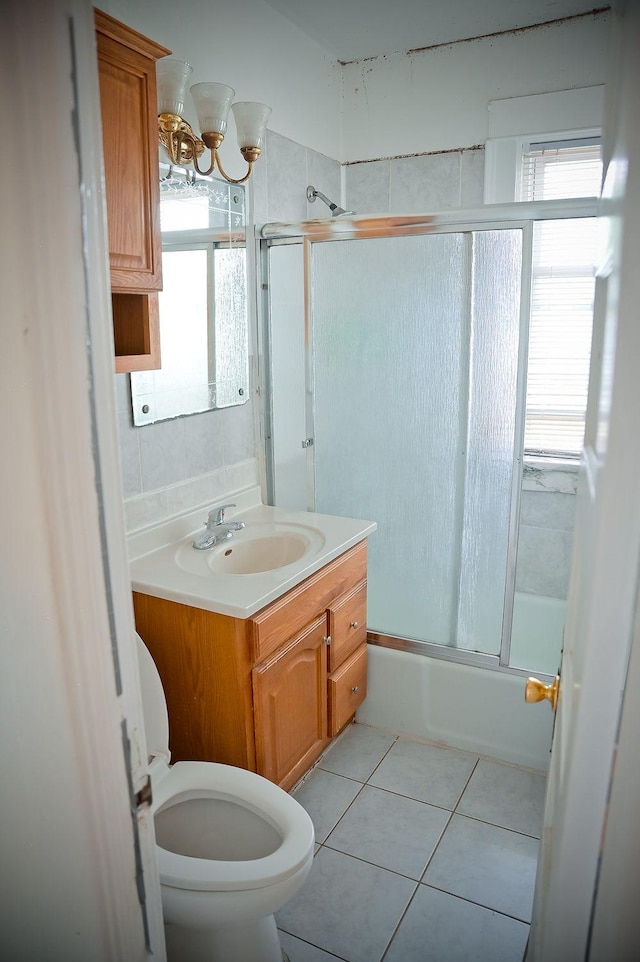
[212,106]
[172,77]
[251,121]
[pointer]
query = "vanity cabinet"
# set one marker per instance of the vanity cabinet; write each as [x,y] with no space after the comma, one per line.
[267,692]
[128,102]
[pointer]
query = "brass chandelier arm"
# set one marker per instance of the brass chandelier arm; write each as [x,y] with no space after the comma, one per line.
[205,173]
[231,180]
[184,147]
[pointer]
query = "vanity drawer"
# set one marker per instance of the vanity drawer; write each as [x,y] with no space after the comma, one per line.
[347,689]
[290,614]
[347,624]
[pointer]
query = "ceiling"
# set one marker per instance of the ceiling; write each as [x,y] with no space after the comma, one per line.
[354,29]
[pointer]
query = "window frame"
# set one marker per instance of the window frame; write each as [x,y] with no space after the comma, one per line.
[516,122]
[514,125]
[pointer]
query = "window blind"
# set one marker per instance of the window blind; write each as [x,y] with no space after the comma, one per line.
[560,169]
[562,291]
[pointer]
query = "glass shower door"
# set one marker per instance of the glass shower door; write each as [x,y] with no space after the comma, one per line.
[415,343]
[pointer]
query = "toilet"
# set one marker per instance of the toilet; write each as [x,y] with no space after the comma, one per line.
[231,847]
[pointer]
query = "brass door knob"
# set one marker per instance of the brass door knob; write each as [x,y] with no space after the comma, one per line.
[536,690]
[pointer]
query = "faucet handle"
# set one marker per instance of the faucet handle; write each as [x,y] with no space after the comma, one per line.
[216,515]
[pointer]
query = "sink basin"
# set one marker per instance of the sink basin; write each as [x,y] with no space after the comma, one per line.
[256,548]
[258,554]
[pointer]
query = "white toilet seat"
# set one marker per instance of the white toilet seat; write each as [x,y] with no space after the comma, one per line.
[201,780]
[231,847]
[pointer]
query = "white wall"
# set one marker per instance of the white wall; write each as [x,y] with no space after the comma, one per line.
[246,44]
[437,99]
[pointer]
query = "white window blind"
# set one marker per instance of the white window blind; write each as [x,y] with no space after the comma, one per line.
[561,169]
[562,290]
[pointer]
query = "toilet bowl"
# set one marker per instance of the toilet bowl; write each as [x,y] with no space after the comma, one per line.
[232,848]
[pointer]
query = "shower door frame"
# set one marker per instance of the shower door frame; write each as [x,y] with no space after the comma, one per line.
[491,217]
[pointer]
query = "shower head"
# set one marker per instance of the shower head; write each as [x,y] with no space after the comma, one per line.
[336,211]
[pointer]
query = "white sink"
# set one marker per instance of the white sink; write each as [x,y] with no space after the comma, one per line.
[257,548]
[276,550]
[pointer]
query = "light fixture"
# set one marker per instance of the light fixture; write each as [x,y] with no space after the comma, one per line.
[212,102]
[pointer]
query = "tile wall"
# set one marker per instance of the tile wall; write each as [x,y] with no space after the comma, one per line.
[280,182]
[424,184]
[545,539]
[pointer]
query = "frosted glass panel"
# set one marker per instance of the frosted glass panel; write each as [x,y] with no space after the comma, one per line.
[230,367]
[288,378]
[493,383]
[391,331]
[415,357]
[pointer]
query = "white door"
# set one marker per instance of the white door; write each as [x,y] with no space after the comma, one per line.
[604,583]
[77,853]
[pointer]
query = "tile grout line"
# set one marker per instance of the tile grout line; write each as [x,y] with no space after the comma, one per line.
[449,820]
[399,923]
[366,861]
[357,795]
[480,905]
[331,955]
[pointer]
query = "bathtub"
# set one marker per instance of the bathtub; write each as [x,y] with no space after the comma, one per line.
[460,706]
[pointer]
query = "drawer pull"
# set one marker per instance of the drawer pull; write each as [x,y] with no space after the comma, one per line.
[354,624]
[355,688]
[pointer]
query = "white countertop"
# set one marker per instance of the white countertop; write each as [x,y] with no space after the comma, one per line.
[158,554]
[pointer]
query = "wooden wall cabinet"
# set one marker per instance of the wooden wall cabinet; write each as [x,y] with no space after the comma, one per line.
[265,693]
[128,102]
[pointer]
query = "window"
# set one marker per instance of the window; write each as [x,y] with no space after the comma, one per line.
[562,290]
[559,169]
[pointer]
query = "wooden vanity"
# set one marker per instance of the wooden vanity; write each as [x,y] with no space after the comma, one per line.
[267,692]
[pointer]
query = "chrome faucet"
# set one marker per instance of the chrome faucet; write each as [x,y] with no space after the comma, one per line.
[218,529]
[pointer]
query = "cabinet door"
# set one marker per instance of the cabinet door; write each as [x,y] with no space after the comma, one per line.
[126,62]
[290,705]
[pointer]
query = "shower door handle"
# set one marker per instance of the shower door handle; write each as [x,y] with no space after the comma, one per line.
[536,690]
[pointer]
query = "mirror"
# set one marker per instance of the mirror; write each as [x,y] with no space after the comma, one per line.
[204,334]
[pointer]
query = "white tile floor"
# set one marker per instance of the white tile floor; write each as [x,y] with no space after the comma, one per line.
[425,854]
